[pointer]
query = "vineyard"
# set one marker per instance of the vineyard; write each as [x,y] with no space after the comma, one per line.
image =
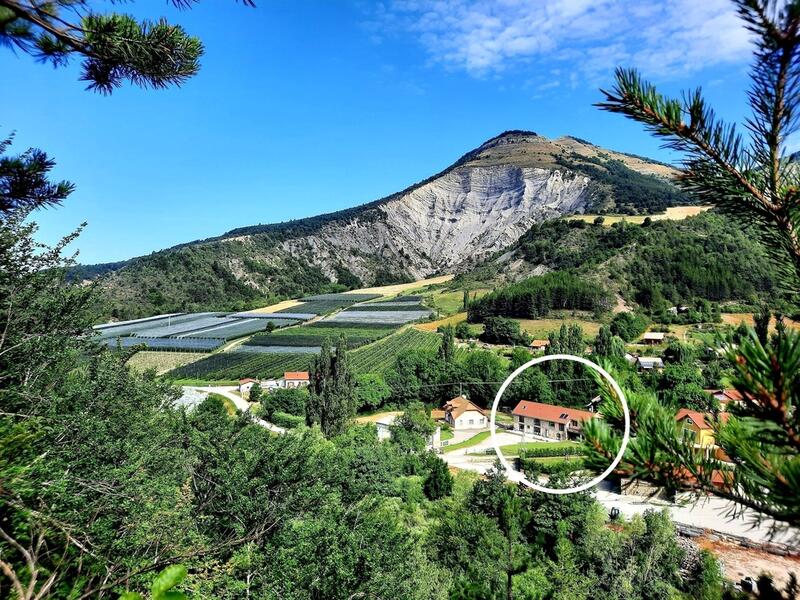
[377,357]
[308,336]
[388,307]
[380,356]
[167,344]
[237,365]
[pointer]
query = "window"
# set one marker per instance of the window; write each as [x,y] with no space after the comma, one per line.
[536,422]
[574,423]
[561,427]
[482,421]
[472,421]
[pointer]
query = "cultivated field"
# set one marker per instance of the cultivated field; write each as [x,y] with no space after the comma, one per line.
[161,361]
[539,328]
[434,325]
[399,288]
[747,318]
[673,213]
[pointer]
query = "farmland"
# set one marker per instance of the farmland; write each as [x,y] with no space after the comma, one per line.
[673,213]
[396,317]
[236,365]
[161,362]
[377,357]
[380,356]
[308,336]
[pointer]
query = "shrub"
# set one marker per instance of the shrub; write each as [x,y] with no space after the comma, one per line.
[282,419]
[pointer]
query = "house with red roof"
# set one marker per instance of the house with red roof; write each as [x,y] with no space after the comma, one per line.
[295,379]
[550,421]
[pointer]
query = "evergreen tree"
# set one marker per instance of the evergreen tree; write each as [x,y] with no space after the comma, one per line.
[602,343]
[332,389]
[447,351]
[114,47]
[465,301]
[439,482]
[761,320]
[757,183]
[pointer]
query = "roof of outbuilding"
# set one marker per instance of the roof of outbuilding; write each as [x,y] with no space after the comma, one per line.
[459,405]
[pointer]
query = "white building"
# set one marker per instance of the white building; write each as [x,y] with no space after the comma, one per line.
[462,414]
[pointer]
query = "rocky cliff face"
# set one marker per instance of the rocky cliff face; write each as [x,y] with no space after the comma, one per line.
[455,220]
[477,207]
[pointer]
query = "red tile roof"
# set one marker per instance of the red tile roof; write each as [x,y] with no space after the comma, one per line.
[701,419]
[296,375]
[540,343]
[247,380]
[550,412]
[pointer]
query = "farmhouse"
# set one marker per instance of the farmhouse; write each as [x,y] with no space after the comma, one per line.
[550,421]
[653,338]
[462,414]
[539,345]
[648,363]
[295,379]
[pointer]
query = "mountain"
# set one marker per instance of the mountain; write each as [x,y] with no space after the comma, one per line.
[481,204]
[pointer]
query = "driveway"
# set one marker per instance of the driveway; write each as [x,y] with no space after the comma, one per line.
[240,403]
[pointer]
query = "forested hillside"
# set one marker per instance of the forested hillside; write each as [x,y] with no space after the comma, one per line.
[657,264]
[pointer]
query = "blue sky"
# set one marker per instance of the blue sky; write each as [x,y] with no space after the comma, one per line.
[308,107]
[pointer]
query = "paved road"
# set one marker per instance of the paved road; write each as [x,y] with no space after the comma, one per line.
[708,513]
[240,403]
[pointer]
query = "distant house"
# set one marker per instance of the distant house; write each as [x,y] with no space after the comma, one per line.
[295,379]
[384,424]
[648,363]
[246,384]
[653,338]
[727,397]
[550,421]
[462,414]
[593,405]
[539,345]
[697,426]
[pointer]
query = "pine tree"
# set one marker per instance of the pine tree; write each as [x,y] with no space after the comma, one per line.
[602,343]
[439,482]
[755,182]
[465,301]
[114,47]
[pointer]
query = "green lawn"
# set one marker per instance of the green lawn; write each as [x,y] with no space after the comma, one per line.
[447,434]
[514,449]
[468,443]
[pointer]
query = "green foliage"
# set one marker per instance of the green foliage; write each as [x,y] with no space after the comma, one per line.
[332,401]
[371,391]
[664,264]
[255,393]
[499,330]
[286,420]
[439,482]
[292,401]
[161,589]
[534,297]
[23,179]
[463,331]
[226,366]
[114,47]
[628,326]
[411,430]
[623,190]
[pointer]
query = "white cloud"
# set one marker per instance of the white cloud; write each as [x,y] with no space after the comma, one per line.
[486,37]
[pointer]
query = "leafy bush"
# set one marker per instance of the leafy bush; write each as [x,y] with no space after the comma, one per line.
[498,330]
[628,326]
[282,419]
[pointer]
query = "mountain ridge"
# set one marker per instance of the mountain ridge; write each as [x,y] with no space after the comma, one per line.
[477,206]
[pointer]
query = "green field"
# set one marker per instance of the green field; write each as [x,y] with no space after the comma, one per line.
[315,336]
[380,356]
[237,365]
[377,357]
[468,443]
[162,362]
[514,449]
